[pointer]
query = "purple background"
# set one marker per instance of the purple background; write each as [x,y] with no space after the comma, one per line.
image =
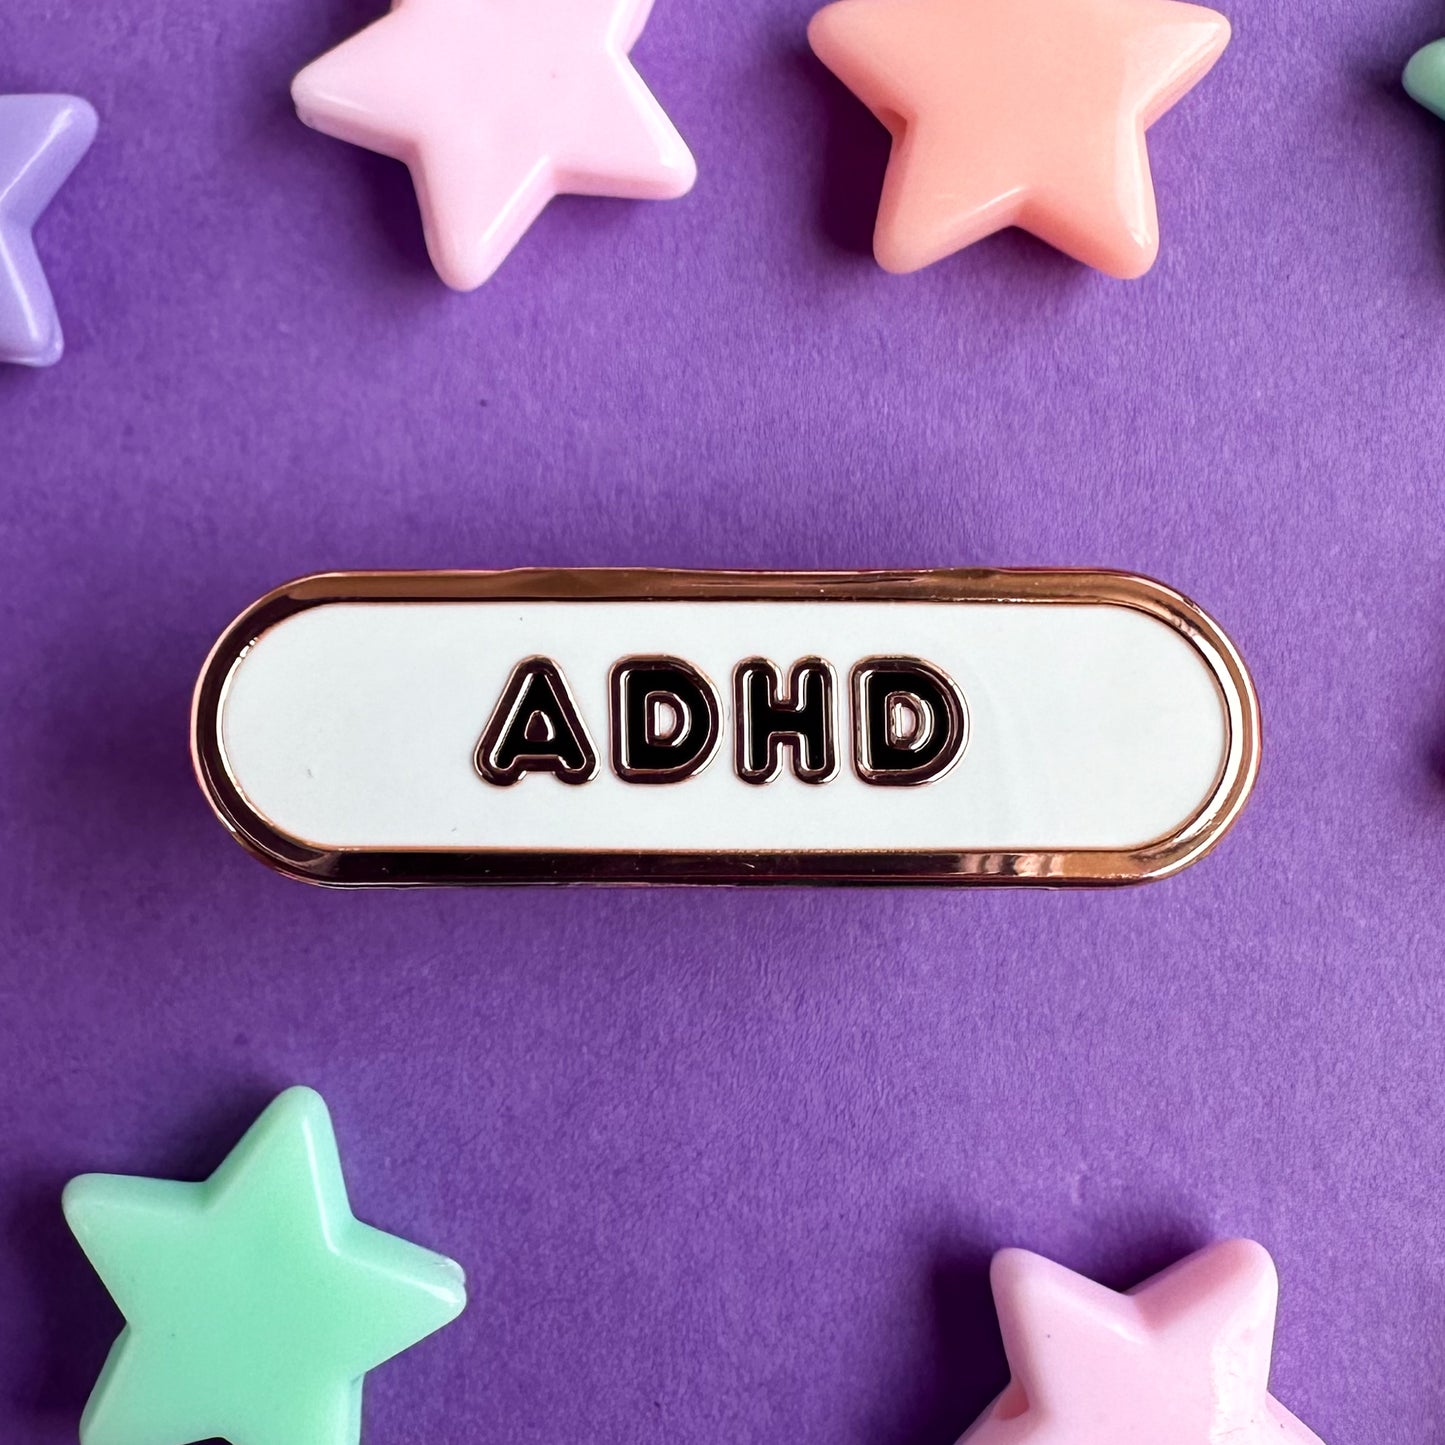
[729,1166]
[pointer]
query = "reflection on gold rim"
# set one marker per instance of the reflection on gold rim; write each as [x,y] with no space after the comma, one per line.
[355,867]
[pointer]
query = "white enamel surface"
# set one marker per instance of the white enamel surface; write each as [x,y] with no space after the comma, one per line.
[355,725]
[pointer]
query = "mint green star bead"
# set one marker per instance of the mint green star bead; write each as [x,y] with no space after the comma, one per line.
[1425,77]
[255,1302]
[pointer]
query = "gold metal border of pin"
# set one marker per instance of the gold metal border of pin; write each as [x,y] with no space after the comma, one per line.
[1080,867]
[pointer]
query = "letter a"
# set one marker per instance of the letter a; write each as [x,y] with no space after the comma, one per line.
[535,728]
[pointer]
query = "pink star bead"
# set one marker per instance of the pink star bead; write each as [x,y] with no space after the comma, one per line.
[1025,113]
[497,106]
[1181,1360]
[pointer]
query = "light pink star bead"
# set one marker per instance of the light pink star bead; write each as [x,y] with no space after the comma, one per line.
[1183,1359]
[497,106]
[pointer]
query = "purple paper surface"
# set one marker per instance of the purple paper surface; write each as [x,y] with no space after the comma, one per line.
[726,1165]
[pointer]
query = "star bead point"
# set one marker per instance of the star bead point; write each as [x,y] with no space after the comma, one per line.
[1183,1356]
[1027,113]
[42,140]
[254,1301]
[497,108]
[1424,77]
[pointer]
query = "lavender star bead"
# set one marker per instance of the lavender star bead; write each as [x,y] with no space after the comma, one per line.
[42,138]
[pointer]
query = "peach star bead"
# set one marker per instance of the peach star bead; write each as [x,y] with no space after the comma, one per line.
[1025,113]
[497,106]
[1183,1358]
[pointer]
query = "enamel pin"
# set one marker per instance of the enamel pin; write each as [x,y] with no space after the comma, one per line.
[619,726]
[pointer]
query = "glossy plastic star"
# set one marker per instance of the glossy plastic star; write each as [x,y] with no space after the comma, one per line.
[1023,113]
[1184,1358]
[497,106]
[1425,77]
[255,1302]
[42,138]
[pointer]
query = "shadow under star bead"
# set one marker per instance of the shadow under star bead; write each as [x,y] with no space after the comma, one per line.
[42,139]
[1026,113]
[1183,1357]
[255,1301]
[497,107]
